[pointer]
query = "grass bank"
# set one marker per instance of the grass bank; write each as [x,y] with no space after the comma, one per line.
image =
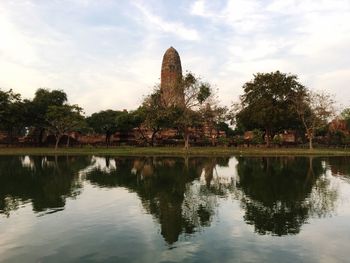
[176,151]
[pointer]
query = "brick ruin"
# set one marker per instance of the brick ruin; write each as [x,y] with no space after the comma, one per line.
[171,75]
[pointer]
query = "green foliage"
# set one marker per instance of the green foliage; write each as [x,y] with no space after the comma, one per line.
[126,121]
[239,139]
[12,113]
[346,139]
[315,109]
[104,122]
[268,102]
[337,138]
[277,140]
[223,126]
[345,115]
[63,119]
[204,92]
[189,115]
[155,114]
[39,106]
[258,137]
[223,141]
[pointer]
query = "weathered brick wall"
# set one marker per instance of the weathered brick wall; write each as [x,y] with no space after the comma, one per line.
[171,74]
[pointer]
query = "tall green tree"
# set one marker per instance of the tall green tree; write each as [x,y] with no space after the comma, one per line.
[197,93]
[104,122]
[345,115]
[39,106]
[268,103]
[156,116]
[12,113]
[63,119]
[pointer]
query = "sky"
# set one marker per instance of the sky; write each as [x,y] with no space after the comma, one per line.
[107,54]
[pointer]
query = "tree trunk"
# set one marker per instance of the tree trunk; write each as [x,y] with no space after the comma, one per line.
[108,138]
[267,134]
[142,135]
[310,172]
[310,135]
[187,139]
[58,138]
[41,134]
[152,138]
[310,143]
[155,131]
[68,141]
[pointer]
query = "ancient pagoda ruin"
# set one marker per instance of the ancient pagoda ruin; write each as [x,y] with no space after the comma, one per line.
[170,82]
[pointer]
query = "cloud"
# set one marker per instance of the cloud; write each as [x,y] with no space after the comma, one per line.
[307,38]
[108,54]
[176,28]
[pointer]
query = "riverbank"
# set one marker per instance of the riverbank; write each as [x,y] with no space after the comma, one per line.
[176,151]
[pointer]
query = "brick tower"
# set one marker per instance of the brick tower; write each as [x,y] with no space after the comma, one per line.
[171,75]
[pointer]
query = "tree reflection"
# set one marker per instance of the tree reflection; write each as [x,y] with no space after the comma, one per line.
[169,189]
[280,194]
[46,182]
[340,166]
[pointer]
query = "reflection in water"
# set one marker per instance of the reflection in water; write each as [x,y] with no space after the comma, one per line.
[44,181]
[340,166]
[167,189]
[277,195]
[280,194]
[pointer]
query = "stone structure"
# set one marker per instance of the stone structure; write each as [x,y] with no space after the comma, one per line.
[339,125]
[171,75]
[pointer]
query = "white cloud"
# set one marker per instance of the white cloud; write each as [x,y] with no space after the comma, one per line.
[176,28]
[307,38]
[108,54]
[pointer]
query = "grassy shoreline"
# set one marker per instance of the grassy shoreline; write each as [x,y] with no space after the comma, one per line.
[176,151]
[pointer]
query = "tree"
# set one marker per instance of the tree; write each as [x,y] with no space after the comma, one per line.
[214,117]
[104,122]
[345,115]
[126,121]
[197,93]
[63,119]
[315,108]
[6,98]
[267,103]
[38,108]
[156,115]
[12,113]
[133,119]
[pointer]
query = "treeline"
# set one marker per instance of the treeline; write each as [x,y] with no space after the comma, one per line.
[272,104]
[49,112]
[276,103]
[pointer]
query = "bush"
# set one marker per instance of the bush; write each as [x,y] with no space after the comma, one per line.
[239,140]
[257,137]
[336,138]
[223,141]
[277,140]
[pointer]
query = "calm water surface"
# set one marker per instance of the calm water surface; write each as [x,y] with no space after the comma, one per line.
[158,209]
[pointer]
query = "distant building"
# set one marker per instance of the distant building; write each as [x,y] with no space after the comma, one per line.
[171,76]
[339,125]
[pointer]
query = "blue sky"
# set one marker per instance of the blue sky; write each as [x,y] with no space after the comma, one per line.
[107,53]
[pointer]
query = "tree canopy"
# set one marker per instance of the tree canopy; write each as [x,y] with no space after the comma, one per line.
[267,103]
[63,119]
[104,122]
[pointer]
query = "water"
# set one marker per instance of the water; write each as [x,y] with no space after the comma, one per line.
[159,209]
